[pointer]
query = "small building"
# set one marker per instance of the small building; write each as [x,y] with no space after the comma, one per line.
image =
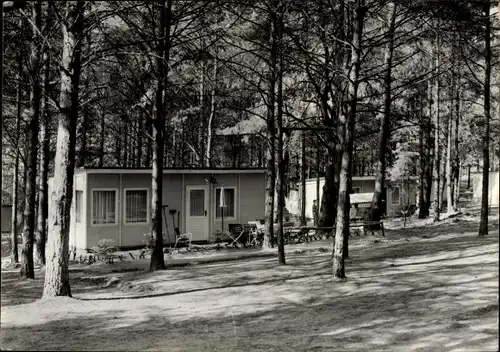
[493,184]
[396,194]
[115,203]
[6,218]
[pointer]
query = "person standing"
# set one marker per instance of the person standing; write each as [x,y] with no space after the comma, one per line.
[315,211]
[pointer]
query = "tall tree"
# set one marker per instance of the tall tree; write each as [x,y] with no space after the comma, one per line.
[86,111]
[425,151]
[27,265]
[43,189]
[435,101]
[483,225]
[271,131]
[162,59]
[457,112]
[15,178]
[211,117]
[449,146]
[57,271]
[281,135]
[383,137]
[343,204]
[303,170]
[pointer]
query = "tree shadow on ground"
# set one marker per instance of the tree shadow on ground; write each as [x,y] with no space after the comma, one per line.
[261,271]
[385,319]
[432,294]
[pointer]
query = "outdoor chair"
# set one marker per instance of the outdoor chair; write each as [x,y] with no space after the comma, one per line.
[251,233]
[184,239]
[235,233]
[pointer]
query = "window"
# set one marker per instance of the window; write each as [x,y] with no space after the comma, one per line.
[229,209]
[395,195]
[78,206]
[197,202]
[104,207]
[136,206]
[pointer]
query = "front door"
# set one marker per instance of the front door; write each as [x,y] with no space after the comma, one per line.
[197,212]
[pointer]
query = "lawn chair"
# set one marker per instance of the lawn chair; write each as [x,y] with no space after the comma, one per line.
[235,232]
[251,233]
[184,239]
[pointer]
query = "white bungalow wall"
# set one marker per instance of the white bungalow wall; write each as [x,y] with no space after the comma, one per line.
[364,185]
[77,231]
[249,203]
[493,191]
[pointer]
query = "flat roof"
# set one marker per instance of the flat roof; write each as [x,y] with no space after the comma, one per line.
[365,178]
[118,170]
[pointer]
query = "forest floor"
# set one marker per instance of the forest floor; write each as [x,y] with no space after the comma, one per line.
[424,287]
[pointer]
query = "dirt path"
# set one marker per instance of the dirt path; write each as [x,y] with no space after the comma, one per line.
[431,288]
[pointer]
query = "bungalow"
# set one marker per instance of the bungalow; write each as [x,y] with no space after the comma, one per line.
[493,191]
[396,194]
[114,203]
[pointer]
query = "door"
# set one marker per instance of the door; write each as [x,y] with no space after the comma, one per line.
[197,212]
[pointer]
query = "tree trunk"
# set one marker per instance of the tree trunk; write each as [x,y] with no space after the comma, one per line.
[343,204]
[103,136]
[424,163]
[140,126]
[27,266]
[85,113]
[303,168]
[208,150]
[147,156]
[437,151]
[318,167]
[483,225]
[57,271]
[43,205]
[163,56]
[271,152]
[442,181]
[126,147]
[118,145]
[449,193]
[201,131]
[456,171]
[281,157]
[384,133]
[15,182]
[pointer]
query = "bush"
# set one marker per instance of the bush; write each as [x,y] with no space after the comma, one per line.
[105,249]
[149,242]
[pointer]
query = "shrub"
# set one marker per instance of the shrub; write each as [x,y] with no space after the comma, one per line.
[105,249]
[149,243]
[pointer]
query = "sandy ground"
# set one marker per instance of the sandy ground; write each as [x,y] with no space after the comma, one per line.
[426,287]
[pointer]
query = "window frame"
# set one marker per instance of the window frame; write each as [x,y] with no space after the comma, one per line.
[78,219]
[115,223]
[148,205]
[399,196]
[230,218]
[358,188]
